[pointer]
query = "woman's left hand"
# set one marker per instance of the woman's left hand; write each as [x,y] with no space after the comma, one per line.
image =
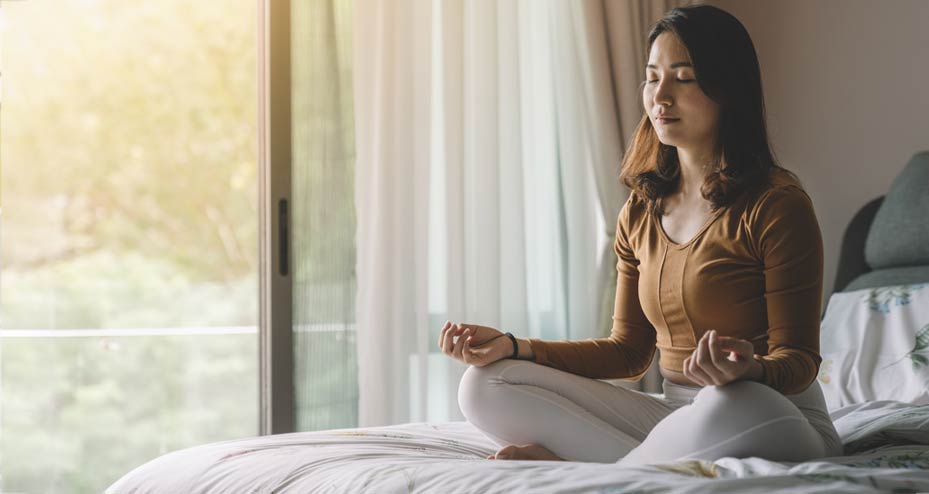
[719,360]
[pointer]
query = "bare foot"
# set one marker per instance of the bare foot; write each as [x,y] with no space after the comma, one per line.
[526,452]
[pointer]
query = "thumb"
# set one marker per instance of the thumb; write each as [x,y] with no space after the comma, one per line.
[743,348]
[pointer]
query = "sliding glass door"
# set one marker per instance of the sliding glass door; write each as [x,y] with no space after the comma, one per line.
[309,366]
[129,247]
[177,230]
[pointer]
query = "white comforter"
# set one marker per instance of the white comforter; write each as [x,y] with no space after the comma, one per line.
[886,443]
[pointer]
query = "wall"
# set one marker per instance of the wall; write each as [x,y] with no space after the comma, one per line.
[846,87]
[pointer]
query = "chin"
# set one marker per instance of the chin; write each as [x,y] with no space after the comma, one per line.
[669,142]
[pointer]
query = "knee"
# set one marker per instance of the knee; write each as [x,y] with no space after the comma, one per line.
[469,388]
[739,391]
[751,400]
[751,419]
[478,387]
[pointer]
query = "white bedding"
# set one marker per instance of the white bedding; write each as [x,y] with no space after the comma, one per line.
[887,448]
[875,345]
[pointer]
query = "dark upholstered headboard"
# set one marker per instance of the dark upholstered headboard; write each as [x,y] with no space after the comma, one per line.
[851,258]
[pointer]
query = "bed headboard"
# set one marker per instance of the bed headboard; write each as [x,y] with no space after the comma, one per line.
[887,241]
[851,258]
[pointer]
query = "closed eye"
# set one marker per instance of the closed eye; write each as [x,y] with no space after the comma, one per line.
[678,80]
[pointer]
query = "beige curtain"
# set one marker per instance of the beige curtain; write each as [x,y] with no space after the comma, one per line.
[489,136]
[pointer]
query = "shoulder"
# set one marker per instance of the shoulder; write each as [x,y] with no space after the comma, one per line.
[634,212]
[781,215]
[636,201]
[781,195]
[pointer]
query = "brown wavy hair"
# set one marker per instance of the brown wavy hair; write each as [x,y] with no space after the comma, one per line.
[727,71]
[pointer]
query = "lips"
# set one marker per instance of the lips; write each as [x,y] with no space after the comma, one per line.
[667,120]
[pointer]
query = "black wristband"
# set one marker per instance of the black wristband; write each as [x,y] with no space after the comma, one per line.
[515,345]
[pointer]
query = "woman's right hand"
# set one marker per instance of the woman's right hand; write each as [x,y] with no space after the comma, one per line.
[475,345]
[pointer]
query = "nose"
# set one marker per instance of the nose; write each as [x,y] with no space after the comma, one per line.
[662,94]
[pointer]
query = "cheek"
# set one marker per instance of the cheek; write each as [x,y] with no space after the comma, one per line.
[708,107]
[705,110]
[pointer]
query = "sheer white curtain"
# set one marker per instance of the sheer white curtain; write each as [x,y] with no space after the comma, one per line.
[488,149]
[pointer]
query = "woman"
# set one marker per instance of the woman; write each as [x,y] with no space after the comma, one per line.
[719,266]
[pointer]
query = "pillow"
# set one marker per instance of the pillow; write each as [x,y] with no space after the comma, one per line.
[899,234]
[875,346]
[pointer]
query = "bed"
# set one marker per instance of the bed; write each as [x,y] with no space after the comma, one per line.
[886,442]
[875,375]
[448,457]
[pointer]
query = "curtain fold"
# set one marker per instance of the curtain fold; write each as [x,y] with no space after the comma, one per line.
[489,138]
[392,66]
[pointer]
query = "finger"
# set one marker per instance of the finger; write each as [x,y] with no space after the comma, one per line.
[700,377]
[700,364]
[716,374]
[445,329]
[450,339]
[460,344]
[456,345]
[686,368]
[712,346]
[446,337]
[729,369]
[693,376]
[717,356]
[702,352]
[688,365]
[467,355]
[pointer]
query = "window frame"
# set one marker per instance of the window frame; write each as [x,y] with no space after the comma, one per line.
[275,347]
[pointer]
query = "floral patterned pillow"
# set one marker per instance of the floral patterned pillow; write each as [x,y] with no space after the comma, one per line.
[875,346]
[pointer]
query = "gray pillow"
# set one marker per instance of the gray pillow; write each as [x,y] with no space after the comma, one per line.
[899,235]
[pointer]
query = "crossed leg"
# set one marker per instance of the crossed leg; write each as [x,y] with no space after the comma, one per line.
[581,419]
[575,417]
[740,419]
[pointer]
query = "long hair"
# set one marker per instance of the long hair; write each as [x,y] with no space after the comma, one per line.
[727,71]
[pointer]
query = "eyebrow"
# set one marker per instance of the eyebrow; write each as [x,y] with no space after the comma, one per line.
[673,65]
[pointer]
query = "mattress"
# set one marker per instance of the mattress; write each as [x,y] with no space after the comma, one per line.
[886,449]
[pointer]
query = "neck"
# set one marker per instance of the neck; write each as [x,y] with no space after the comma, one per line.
[695,165]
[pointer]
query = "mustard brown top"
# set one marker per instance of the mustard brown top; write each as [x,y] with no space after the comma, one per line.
[754,271]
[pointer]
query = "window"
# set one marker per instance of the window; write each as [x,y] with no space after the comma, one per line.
[129,248]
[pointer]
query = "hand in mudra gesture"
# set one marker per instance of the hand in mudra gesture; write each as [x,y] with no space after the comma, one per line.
[719,360]
[474,345]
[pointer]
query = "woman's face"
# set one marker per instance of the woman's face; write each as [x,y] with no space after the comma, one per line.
[671,89]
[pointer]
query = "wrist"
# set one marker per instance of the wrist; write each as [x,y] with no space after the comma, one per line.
[514,346]
[756,371]
[525,349]
[502,345]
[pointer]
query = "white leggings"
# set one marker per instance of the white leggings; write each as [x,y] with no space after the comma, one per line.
[584,419]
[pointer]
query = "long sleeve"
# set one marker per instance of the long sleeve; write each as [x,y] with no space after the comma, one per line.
[628,351]
[788,240]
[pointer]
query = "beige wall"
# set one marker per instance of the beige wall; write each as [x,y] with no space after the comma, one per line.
[846,86]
